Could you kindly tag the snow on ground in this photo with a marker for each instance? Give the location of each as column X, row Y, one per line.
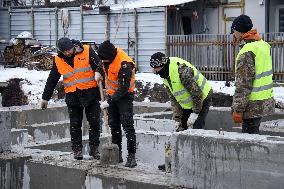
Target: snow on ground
column 34, row 82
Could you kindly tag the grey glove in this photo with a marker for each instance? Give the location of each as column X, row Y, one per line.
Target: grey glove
column 43, row 104
column 191, row 120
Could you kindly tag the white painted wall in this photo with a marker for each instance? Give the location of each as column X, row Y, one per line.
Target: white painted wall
column 252, row 8
column 256, row 12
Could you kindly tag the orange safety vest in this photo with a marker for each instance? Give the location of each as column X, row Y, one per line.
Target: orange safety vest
column 81, row 76
column 111, row 79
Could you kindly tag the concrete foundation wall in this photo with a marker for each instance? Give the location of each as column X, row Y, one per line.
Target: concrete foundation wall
column 19, row 136
column 218, row 118
column 207, row 159
column 29, row 115
column 5, row 130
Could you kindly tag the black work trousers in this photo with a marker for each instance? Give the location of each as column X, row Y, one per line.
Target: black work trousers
column 251, row 125
column 200, row 121
column 121, row 113
column 92, row 112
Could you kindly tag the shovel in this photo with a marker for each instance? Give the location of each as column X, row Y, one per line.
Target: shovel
column 109, row 151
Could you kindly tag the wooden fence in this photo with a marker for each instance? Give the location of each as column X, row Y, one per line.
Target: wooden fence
column 214, row 55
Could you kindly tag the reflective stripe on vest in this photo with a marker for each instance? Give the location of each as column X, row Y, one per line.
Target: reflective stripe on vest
column 182, row 96
column 263, row 83
column 70, row 74
column 111, row 82
column 79, row 81
column 81, row 76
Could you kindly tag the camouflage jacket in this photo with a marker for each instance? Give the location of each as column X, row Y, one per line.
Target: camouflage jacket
column 188, row 80
column 244, row 77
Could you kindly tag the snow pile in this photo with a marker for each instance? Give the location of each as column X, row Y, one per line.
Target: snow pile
column 33, row 83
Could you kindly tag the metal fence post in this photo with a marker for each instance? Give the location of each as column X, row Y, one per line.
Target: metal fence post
column 9, row 22
column 33, row 21
column 82, row 23
column 56, row 23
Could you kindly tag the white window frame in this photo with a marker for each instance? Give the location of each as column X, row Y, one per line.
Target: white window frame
column 278, row 7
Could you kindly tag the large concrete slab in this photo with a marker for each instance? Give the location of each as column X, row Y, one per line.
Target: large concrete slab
column 209, row 159
column 5, row 130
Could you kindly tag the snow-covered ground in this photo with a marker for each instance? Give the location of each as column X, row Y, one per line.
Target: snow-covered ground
column 34, row 82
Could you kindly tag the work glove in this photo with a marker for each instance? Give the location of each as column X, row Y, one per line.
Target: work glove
column 98, row 76
column 191, row 120
column 43, row 104
column 104, row 104
column 237, row 117
column 178, row 127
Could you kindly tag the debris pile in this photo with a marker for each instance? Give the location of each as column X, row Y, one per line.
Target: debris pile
column 24, row 51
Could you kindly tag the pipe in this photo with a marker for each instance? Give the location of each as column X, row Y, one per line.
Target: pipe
column 9, row 22
column 33, row 21
column 56, row 24
column 136, row 38
column 82, row 22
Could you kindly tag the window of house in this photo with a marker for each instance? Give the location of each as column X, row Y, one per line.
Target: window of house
column 281, row 20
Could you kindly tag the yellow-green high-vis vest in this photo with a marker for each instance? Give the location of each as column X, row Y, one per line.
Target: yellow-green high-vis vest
column 263, row 83
column 181, row 95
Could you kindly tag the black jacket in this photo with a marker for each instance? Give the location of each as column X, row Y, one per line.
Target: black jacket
column 79, row 97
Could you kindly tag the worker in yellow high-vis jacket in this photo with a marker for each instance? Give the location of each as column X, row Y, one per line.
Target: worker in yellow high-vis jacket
column 189, row 90
column 253, row 96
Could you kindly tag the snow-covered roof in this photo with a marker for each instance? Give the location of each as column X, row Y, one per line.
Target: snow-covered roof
column 149, row 3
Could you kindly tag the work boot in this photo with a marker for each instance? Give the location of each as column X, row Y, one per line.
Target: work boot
column 162, row 167
column 78, row 154
column 131, row 162
column 120, row 157
column 94, row 151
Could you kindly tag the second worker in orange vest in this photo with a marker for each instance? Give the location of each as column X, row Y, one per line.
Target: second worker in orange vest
column 77, row 64
column 119, row 71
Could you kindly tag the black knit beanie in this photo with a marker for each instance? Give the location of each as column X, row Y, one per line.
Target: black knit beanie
column 242, row 24
column 107, row 51
column 64, row 44
column 158, row 59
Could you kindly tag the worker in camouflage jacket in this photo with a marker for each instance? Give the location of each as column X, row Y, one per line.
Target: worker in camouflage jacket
column 77, row 63
column 189, row 90
column 253, row 96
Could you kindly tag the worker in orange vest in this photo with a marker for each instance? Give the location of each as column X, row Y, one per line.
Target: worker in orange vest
column 119, row 72
column 77, row 64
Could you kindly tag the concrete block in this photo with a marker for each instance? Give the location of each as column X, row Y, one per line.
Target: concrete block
column 152, row 124
column 142, row 107
column 5, row 130
column 150, row 147
column 19, row 136
column 49, row 131
column 207, row 159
